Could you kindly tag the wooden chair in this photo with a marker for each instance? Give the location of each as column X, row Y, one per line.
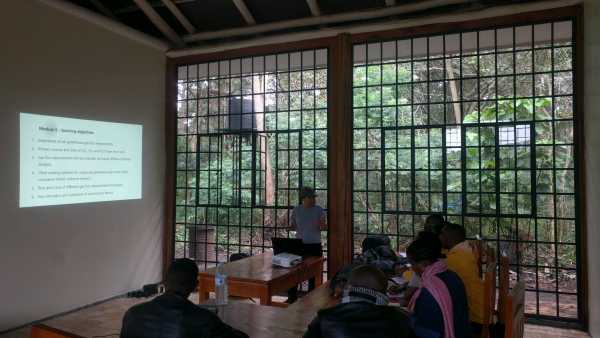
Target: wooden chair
column 483, row 253
column 44, row 331
column 477, row 246
column 514, row 320
column 489, row 297
column 503, row 285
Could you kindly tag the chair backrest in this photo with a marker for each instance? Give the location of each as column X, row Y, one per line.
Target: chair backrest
column 44, row 331
column 478, row 247
column 503, row 285
column 489, row 294
column 514, row 320
column 490, row 254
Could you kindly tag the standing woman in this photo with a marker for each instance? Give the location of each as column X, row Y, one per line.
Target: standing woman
column 308, row 220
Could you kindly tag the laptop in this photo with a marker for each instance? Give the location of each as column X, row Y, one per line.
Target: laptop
column 287, row 245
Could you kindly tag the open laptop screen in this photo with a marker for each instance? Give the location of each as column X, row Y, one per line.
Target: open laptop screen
column 289, row 245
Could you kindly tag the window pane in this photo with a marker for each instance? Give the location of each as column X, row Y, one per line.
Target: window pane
column 250, row 133
column 480, row 127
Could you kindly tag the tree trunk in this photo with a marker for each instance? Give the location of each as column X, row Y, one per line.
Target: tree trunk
column 264, row 153
column 454, row 93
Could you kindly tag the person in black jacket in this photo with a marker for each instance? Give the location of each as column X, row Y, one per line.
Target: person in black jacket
column 363, row 312
column 172, row 315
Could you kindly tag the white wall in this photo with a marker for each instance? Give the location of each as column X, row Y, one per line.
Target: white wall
column 592, row 153
column 59, row 258
column 54, row 259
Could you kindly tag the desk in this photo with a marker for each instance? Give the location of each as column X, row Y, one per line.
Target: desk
column 316, row 300
column 255, row 320
column 266, row 321
column 256, row 277
column 100, row 320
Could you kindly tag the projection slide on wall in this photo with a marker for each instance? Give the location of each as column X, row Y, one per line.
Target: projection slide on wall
column 68, row 161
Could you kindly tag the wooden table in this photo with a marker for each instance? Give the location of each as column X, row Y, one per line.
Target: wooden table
column 255, row 320
column 318, row 299
column 99, row 320
column 257, row 277
column 266, row 321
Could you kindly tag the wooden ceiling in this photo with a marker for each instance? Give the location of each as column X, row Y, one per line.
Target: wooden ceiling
column 184, row 23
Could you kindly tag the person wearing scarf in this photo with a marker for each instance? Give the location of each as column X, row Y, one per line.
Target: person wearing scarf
column 439, row 307
column 361, row 294
column 363, row 311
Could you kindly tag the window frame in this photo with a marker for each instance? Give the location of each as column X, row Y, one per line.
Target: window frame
column 341, row 51
column 541, row 17
column 322, row 46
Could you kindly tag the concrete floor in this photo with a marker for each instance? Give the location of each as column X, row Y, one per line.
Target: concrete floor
column 87, row 318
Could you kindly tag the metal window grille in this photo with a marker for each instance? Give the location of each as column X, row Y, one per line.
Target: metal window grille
column 479, row 126
column 250, row 132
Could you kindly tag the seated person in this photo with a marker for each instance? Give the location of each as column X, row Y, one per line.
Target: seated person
column 439, row 308
column 415, row 281
column 172, row 315
column 462, row 260
column 363, row 312
column 338, row 283
column 434, row 223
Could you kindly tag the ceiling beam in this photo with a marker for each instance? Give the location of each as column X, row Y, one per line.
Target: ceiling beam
column 103, row 9
column 153, row 3
column 180, row 16
column 111, row 25
column 390, row 3
column 158, row 21
column 324, row 20
column 241, row 6
column 358, row 28
column 314, row 7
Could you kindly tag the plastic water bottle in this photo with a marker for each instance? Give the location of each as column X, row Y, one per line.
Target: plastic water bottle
column 221, row 291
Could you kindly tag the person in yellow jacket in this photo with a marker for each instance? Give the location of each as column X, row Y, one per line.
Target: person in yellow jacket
column 461, row 259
